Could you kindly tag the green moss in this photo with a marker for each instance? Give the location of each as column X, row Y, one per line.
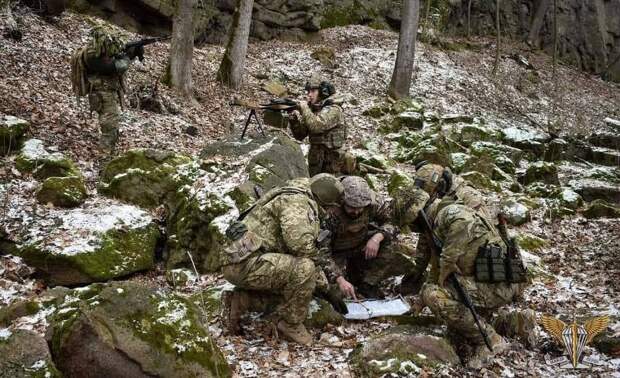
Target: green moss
column 397, row 181
column 530, row 242
column 601, row 209
column 12, row 130
column 480, row 181
column 321, row 314
column 541, row 171
column 62, row 191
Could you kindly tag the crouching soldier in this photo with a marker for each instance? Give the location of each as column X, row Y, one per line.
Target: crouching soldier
column 467, row 251
column 275, row 249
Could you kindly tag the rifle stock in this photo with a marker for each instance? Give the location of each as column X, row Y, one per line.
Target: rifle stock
column 437, row 246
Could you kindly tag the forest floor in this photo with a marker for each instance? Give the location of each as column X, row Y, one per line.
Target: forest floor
column 582, row 255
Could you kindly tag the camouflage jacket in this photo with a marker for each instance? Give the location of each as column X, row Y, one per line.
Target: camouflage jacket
column 326, row 126
column 352, row 234
column 289, row 223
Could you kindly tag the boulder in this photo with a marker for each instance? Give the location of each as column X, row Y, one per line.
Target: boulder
column 604, row 156
column 455, row 118
column 434, row 149
column 321, row 313
column 556, row 150
column 35, row 159
column 62, row 191
column 402, row 351
column 531, row 141
column 483, row 164
column 125, row 329
column 24, row 355
column 12, row 131
column 146, row 177
column 470, row 133
column 601, row 209
column 408, row 120
column 458, row 161
column 570, row 199
column 605, row 139
column 516, row 212
column 480, row 181
column 593, row 189
column 541, row 171
column 99, row 241
column 542, row 190
column 180, row 277
column 506, row 157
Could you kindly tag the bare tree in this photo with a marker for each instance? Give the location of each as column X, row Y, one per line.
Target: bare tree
column 182, row 48
column 497, row 47
column 555, row 37
column 233, row 62
column 403, row 69
column 468, row 18
column 537, row 22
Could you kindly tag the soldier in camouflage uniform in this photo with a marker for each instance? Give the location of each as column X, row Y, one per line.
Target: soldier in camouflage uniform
column 363, row 244
column 321, row 119
column 98, row 71
column 277, row 252
column 467, row 237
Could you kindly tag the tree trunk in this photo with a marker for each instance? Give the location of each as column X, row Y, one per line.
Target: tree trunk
column 182, row 48
column 403, row 69
column 497, row 47
column 468, row 18
column 233, row 62
column 537, row 22
column 427, row 15
column 555, row 37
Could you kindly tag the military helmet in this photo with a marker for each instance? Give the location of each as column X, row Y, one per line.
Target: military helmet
column 105, row 42
column 325, row 88
column 431, row 177
column 408, row 202
column 327, row 189
column 357, row 193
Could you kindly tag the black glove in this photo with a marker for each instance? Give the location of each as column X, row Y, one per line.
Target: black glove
column 236, row 230
column 136, row 52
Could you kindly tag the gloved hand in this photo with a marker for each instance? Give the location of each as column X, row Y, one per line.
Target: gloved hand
column 236, row 230
column 136, row 52
column 334, row 297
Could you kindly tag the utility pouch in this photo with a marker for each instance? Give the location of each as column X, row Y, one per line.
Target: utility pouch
column 490, row 264
column 516, row 270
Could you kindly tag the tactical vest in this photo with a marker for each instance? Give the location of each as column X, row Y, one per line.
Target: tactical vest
column 350, row 234
column 333, row 138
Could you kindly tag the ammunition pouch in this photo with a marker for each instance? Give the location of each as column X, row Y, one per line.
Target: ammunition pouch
column 494, row 265
column 332, row 139
column 241, row 248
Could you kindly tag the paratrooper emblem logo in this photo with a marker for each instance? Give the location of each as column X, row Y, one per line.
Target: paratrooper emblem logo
column 574, row 336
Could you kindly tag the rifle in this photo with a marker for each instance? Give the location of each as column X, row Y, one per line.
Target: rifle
column 278, row 104
column 437, row 245
column 138, row 46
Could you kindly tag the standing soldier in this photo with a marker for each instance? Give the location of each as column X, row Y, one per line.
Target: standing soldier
column 363, row 243
column 321, row 119
column 469, row 249
column 98, row 71
column 276, row 249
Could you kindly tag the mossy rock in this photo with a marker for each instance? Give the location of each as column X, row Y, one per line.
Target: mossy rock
column 146, row 177
column 556, row 150
column 62, row 191
column 16, row 310
column 456, row 118
column 593, row 189
column 570, row 199
column 12, row 131
column 321, row 313
column 377, row 111
column 541, row 171
column 434, row 149
column 130, row 330
column 98, row 242
column 480, row 181
column 398, row 180
column 506, row 157
column 483, row 164
column 516, row 212
column 601, row 209
column 402, row 351
column 25, row 354
column 406, row 105
column 542, row 190
column 180, row 277
column 35, row 159
column 467, row 134
column 527, row 140
column 530, row 242
column 325, row 55
column 406, row 120
column 372, row 159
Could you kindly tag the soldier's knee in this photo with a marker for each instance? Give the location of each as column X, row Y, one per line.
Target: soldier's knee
column 306, row 269
column 434, row 296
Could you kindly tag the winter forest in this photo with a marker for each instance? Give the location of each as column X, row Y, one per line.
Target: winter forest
column 309, row 188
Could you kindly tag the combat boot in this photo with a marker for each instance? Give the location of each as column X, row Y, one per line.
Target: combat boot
column 482, row 354
column 235, row 305
column 295, row 332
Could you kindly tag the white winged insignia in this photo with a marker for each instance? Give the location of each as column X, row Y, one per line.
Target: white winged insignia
column 573, row 336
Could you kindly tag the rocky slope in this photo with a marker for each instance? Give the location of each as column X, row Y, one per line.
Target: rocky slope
column 152, row 217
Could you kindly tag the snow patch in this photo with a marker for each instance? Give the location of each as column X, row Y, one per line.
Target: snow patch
column 5, row 333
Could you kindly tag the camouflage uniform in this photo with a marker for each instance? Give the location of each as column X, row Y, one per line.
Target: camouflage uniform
column 279, row 253
column 350, row 236
column 105, row 66
column 326, row 129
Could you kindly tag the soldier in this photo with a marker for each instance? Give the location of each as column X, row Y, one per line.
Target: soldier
column 438, row 182
column 362, row 241
column 321, row 119
column 486, row 266
column 275, row 250
column 98, row 71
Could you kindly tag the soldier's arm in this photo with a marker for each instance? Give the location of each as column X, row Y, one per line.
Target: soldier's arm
column 300, row 229
column 106, row 65
column 381, row 213
column 328, row 118
column 453, row 230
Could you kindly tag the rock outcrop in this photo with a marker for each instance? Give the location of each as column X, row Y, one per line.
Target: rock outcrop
column 12, row 130
column 24, row 355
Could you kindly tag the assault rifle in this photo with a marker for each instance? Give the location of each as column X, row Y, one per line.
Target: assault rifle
column 437, row 246
column 278, row 105
column 138, row 46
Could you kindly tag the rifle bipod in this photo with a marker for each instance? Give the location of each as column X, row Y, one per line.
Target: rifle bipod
column 249, row 120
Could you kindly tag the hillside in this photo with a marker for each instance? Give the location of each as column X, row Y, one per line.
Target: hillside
column 515, row 120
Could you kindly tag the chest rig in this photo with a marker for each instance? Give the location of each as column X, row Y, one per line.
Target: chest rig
column 349, row 234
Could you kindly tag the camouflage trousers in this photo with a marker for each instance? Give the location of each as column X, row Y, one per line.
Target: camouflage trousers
column 288, row 279
column 324, row 160
column 107, row 106
column 444, row 303
column 369, row 276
